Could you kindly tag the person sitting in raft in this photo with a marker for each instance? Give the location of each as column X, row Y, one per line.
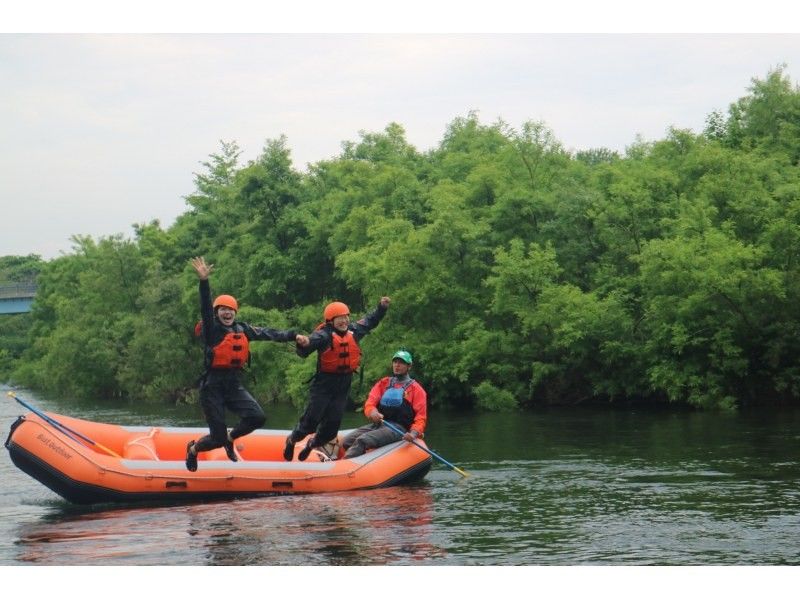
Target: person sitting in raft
column 400, row 400
column 336, row 341
column 227, row 351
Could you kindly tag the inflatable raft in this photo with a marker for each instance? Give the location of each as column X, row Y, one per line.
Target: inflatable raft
column 89, row 462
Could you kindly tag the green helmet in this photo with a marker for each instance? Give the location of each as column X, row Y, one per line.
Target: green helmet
column 404, row 356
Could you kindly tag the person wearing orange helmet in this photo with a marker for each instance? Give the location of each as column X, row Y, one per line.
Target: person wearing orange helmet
column 227, row 349
column 338, row 356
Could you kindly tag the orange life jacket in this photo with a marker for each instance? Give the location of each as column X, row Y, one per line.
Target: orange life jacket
column 342, row 357
column 232, row 352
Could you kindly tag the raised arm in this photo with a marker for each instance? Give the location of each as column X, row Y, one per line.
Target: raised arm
column 362, row 327
column 206, row 310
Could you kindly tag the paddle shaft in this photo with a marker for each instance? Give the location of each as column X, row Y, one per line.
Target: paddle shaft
column 391, row 426
column 58, row 425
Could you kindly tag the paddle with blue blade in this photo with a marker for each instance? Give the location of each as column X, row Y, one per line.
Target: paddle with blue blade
column 391, row 426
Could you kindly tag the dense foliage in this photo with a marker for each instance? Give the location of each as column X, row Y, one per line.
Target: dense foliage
column 520, row 273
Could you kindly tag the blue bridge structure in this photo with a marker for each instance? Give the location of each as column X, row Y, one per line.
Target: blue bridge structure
column 16, row 297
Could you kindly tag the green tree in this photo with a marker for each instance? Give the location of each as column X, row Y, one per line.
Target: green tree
column 707, row 305
column 768, row 118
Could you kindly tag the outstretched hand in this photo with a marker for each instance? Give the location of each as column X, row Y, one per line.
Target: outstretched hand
column 385, row 301
column 302, row 340
column 200, row 266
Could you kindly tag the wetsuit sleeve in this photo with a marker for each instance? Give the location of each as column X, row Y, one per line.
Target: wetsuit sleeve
column 362, row 327
column 207, row 313
column 257, row 333
column 375, row 395
column 419, row 403
column 317, row 340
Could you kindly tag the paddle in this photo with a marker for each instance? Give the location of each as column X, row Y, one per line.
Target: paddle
column 391, row 426
column 59, row 426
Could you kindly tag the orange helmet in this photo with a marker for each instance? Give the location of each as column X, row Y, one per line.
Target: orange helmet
column 337, row 308
column 226, row 301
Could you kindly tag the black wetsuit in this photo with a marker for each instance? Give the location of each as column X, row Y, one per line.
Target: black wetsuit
column 328, row 393
column 222, row 388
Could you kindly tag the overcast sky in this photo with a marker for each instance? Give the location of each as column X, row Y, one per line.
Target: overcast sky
column 98, row 132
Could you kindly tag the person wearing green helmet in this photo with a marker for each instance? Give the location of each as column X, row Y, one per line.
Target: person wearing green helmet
column 398, row 399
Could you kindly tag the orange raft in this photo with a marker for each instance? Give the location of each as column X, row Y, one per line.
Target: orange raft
column 148, row 463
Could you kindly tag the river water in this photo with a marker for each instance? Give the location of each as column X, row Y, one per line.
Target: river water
column 585, row 486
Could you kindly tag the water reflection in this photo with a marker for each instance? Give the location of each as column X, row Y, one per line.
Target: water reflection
column 377, row 527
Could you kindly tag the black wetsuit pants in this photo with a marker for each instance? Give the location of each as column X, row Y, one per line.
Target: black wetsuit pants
column 222, row 390
column 327, row 401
